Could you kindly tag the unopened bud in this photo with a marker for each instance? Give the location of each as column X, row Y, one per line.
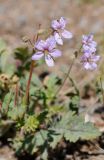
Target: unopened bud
column 25, row 39
column 76, row 54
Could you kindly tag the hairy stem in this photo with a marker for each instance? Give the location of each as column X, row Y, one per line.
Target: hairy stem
column 16, row 95
column 102, row 91
column 67, row 75
column 29, row 81
column 69, row 70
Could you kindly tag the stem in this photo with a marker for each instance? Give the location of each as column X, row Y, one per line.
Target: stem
column 102, row 91
column 67, row 75
column 74, row 85
column 29, row 81
column 0, row 105
column 30, row 75
column 16, row 95
column 69, row 70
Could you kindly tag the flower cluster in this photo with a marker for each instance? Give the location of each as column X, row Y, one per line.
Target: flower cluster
column 89, row 57
column 60, row 32
column 47, row 48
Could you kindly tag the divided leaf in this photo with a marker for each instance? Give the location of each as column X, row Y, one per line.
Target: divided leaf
column 73, row 127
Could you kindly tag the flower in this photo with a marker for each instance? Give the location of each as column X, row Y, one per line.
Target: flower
column 47, row 50
column 59, row 30
column 89, row 60
column 88, row 44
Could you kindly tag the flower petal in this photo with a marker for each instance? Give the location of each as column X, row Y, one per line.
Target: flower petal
column 93, row 43
column 93, row 66
column 51, row 43
column 84, row 39
column 87, row 65
column 90, row 38
column 56, row 53
column 67, row 34
column 58, row 38
column 62, row 22
column 87, row 48
column 49, row 60
column 87, row 38
column 40, row 45
column 90, row 66
column 87, row 53
column 96, row 58
column 37, row 55
column 55, row 24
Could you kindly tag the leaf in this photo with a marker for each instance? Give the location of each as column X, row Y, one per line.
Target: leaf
column 32, row 142
column 54, row 110
column 5, row 63
column 44, row 155
column 22, row 53
column 73, row 127
column 2, row 46
column 6, row 102
column 35, row 84
column 16, row 112
column 82, row 131
column 5, row 59
column 55, row 140
column 36, row 81
column 42, row 116
column 74, row 103
column 5, row 126
column 51, row 86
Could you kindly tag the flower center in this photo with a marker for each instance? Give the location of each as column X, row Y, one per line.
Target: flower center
column 46, row 51
column 90, row 60
column 59, row 31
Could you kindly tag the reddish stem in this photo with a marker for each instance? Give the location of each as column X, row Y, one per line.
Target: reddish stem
column 29, row 81
column 16, row 95
column 0, row 104
column 102, row 91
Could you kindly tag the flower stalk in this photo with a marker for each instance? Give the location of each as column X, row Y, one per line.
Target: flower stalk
column 28, row 83
column 67, row 75
column 69, row 70
column 16, row 95
column 102, row 91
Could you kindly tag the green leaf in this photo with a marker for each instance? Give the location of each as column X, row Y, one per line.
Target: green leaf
column 73, row 127
column 5, row 126
column 55, row 140
column 6, row 102
column 51, row 86
column 41, row 137
column 5, row 63
column 22, row 53
column 2, row 46
column 44, row 155
column 16, row 112
column 54, row 110
column 31, row 142
column 85, row 131
column 36, row 81
column 5, row 59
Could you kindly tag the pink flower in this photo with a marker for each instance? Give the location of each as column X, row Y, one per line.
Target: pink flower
column 88, row 44
column 47, row 50
column 59, row 30
column 89, row 61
